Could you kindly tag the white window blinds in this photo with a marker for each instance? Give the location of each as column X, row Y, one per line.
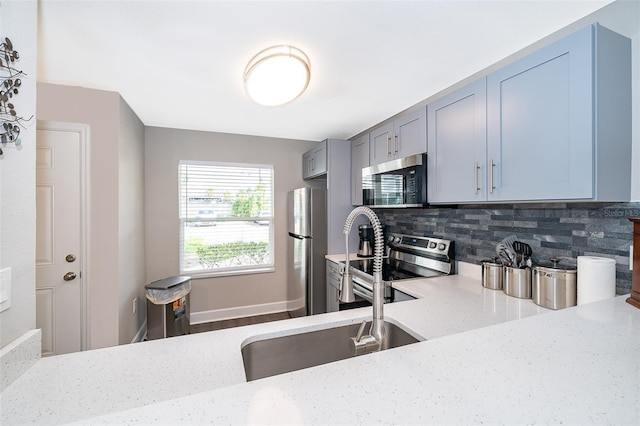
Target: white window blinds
column 226, row 218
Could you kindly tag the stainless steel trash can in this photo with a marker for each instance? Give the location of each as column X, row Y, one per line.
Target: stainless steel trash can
column 168, row 307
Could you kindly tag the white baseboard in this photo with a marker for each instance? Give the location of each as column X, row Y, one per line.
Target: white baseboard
column 18, row 356
column 238, row 312
column 141, row 334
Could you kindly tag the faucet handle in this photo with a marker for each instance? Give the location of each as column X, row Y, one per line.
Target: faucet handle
column 361, row 330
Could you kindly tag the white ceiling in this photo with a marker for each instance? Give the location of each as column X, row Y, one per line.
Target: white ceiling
column 180, row 64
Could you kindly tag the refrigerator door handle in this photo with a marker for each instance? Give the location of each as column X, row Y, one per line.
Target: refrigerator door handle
column 300, row 237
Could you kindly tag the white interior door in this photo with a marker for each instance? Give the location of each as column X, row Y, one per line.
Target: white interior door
column 59, row 289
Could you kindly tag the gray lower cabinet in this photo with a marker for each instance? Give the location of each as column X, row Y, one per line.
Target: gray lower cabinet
column 406, row 135
column 333, row 285
column 558, row 127
column 359, row 160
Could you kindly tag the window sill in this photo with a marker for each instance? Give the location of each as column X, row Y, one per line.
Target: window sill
column 231, row 273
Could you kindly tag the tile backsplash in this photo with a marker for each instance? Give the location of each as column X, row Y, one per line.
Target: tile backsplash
column 561, row 230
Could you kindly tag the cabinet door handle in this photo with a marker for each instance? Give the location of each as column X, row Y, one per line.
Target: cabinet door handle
column 491, row 166
column 395, row 144
column 388, row 146
column 475, row 177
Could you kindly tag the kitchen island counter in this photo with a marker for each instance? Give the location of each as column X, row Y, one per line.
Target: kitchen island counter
column 488, row 358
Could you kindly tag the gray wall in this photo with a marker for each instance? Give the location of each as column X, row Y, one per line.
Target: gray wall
column 98, row 109
column 131, row 223
column 163, row 149
column 116, row 205
column 563, row 231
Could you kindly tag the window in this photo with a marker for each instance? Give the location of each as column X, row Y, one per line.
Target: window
column 226, row 218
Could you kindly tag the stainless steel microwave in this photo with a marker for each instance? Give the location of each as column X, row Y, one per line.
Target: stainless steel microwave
column 397, row 183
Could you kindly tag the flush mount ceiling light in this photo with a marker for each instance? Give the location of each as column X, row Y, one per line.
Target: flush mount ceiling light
column 277, row 75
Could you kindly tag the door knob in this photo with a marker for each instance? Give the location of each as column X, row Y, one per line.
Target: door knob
column 69, row 276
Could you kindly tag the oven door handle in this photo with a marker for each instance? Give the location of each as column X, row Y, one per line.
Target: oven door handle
column 362, row 291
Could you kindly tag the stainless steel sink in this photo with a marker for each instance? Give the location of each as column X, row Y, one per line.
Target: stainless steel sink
column 277, row 355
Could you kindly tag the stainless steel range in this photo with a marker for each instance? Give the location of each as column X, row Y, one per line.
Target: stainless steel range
column 409, row 257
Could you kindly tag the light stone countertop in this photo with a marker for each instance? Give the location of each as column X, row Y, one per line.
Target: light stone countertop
column 489, row 358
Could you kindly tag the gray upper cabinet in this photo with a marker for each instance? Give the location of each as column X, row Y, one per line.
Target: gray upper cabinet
column 359, row 160
column 314, row 161
column 457, row 154
column 380, row 149
column 558, row 127
column 404, row 136
column 542, row 115
column 332, row 171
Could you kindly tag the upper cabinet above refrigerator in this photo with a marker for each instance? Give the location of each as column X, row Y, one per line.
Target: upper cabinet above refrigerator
column 328, row 165
column 314, row 161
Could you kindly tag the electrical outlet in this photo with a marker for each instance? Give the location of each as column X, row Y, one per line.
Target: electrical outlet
column 135, row 305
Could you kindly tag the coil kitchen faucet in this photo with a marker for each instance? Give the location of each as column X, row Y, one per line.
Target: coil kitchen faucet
column 375, row 339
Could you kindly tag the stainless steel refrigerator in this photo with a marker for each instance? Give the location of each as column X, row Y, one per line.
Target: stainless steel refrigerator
column 307, row 247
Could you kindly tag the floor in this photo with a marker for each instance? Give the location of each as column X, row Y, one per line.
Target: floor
column 238, row 322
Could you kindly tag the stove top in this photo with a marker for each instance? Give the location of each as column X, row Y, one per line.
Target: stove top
column 411, row 257
column 389, row 271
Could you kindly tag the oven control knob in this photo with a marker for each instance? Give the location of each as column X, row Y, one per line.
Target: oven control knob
column 442, row 246
column 432, row 244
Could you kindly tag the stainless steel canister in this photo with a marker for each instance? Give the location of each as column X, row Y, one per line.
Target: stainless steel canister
column 492, row 274
column 554, row 287
column 517, row 282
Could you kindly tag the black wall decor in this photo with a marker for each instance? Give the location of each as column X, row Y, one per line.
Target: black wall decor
column 10, row 83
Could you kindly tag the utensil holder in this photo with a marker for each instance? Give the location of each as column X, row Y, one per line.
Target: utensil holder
column 516, row 282
column 492, row 275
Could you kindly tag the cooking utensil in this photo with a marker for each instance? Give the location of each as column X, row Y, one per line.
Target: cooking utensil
column 505, row 257
column 504, row 250
column 519, row 249
column 523, row 254
column 526, row 256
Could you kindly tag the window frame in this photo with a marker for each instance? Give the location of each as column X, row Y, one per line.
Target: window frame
column 228, row 271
